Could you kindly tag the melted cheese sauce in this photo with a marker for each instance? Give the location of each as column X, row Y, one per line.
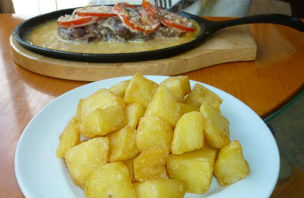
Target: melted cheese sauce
column 45, row 35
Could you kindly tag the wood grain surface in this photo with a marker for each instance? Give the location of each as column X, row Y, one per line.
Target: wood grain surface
column 264, row 84
column 229, row 45
column 291, row 187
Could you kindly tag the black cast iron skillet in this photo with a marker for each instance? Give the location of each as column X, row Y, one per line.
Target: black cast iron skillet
column 206, row 29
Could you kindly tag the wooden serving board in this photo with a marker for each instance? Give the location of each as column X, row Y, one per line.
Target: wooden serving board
column 229, row 45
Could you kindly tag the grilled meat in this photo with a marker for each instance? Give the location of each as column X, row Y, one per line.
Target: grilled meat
column 110, row 27
column 166, row 32
column 88, row 33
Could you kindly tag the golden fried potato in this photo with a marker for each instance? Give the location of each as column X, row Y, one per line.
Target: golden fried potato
column 194, row 168
column 68, row 138
column 153, row 131
column 150, row 164
column 82, row 159
column 92, row 110
column 200, row 94
column 79, row 110
column 188, row 133
column 160, row 188
column 216, row 126
column 103, row 121
column 110, row 181
column 165, row 106
column 230, row 165
column 122, row 144
column 143, row 122
column 120, row 88
column 100, row 99
column 134, row 111
column 130, row 165
column 140, row 90
column 186, row 108
column 179, row 86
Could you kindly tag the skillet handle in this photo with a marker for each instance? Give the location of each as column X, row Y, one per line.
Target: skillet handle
column 293, row 22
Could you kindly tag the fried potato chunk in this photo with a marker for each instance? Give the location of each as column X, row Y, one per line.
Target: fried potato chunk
column 103, row 121
column 179, row 86
column 79, row 110
column 188, row 133
column 140, row 89
column 111, row 180
column 134, row 112
column 165, row 106
column 82, row 159
column 216, row 126
column 122, row 144
column 230, row 165
column 68, row 138
column 120, row 88
column 130, row 165
column 153, row 131
column 186, row 108
column 194, row 168
column 100, row 99
column 150, row 164
column 160, row 188
column 200, row 94
column 101, row 113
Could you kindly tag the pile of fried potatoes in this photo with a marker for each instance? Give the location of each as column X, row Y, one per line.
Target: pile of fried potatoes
column 149, row 140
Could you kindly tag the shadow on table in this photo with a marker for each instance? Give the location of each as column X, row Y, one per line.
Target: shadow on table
column 288, row 128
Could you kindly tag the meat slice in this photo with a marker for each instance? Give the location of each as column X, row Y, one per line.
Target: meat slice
column 113, row 29
column 165, row 32
column 88, row 33
column 142, row 36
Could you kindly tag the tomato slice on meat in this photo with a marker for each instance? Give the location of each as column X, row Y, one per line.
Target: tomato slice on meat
column 154, row 11
column 169, row 19
column 119, row 7
column 96, row 11
column 75, row 21
column 173, row 20
column 136, row 18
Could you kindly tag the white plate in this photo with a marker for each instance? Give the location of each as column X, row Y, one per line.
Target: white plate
column 41, row 174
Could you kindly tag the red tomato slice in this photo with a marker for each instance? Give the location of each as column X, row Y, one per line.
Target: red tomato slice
column 75, row 21
column 169, row 19
column 119, row 7
column 136, row 18
column 173, row 20
column 150, row 8
column 184, row 26
column 96, row 11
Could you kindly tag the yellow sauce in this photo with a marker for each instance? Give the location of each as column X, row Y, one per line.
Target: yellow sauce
column 45, row 35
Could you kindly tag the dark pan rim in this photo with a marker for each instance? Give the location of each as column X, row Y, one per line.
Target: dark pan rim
column 21, row 31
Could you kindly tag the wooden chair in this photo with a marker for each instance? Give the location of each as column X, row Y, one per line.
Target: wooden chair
column 6, row 6
column 297, row 7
